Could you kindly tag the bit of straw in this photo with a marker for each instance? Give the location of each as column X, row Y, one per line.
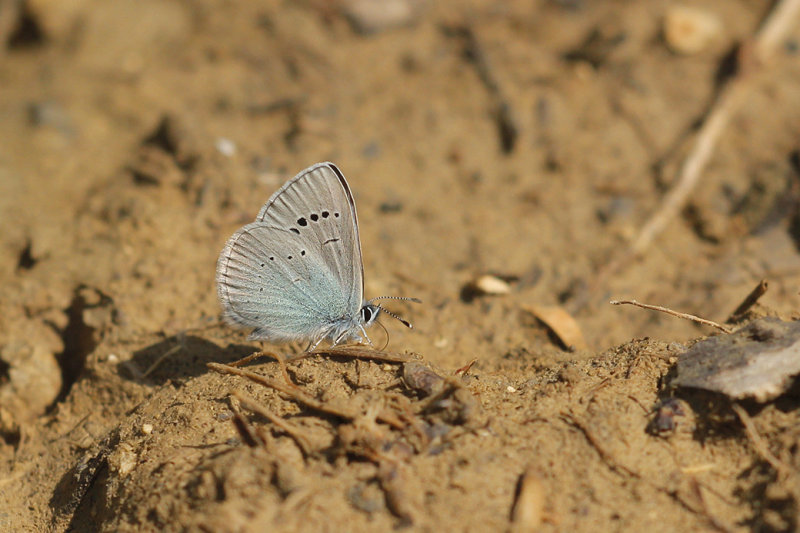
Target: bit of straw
column 678, row 314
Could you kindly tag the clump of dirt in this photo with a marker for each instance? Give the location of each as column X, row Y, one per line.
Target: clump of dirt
column 522, row 144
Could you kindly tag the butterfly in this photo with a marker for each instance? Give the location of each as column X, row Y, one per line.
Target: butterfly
column 296, row 273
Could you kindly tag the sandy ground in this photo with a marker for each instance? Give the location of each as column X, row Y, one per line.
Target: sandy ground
column 526, row 140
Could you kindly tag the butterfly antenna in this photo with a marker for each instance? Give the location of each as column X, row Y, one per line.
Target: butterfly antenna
column 403, row 321
column 406, row 323
column 406, row 298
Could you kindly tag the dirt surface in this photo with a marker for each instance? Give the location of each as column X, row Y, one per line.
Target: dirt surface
column 526, row 140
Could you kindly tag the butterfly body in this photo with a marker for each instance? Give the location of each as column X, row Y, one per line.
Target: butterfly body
column 296, row 272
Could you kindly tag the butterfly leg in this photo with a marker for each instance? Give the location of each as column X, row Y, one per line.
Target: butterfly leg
column 340, row 338
column 369, row 341
column 313, row 344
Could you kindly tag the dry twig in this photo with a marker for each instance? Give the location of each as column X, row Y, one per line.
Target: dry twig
column 354, row 352
column 758, row 443
column 750, row 300
column 753, row 55
column 713, row 521
column 253, row 356
column 678, row 314
column 464, row 370
column 595, row 442
column 172, row 351
column 296, row 394
column 252, row 405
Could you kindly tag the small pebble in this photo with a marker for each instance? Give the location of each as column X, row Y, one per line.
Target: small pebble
column 487, row 284
column 689, row 30
column 225, row 146
column 147, row 429
column 374, row 16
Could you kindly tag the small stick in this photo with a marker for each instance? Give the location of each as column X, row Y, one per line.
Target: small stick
column 465, row 369
column 616, row 466
column 354, row 353
column 252, row 405
column 391, row 476
column 750, row 300
column 157, row 363
column 15, row 475
column 713, row 521
column 261, row 353
column 759, row 445
column 253, row 356
column 668, row 311
column 754, row 53
column 779, row 22
column 502, row 111
column 296, row 394
column 245, row 431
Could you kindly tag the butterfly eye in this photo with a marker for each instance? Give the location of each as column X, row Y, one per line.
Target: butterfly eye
column 368, row 313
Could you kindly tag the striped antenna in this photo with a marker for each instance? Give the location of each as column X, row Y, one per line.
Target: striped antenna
column 406, row 323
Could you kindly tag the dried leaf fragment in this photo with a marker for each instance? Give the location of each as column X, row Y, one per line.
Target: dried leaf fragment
column 561, row 323
column 528, row 510
column 689, row 30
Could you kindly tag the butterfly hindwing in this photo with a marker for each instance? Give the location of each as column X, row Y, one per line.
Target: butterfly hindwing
column 276, row 289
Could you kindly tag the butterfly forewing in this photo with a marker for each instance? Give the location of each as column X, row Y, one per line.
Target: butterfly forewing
column 297, row 269
column 317, row 206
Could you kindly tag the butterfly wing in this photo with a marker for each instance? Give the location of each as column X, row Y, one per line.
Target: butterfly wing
column 296, row 271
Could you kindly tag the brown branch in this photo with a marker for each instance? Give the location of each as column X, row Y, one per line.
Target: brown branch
column 750, row 300
column 296, row 394
column 253, row 356
column 293, row 393
column 595, row 442
column 762, row 47
column 161, row 359
column 753, row 55
column 678, row 314
column 758, row 443
column 354, row 352
column 252, row 405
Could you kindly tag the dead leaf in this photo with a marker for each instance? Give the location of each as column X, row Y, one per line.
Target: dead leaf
column 561, row 324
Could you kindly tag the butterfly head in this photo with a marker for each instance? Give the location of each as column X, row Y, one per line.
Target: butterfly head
column 369, row 312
